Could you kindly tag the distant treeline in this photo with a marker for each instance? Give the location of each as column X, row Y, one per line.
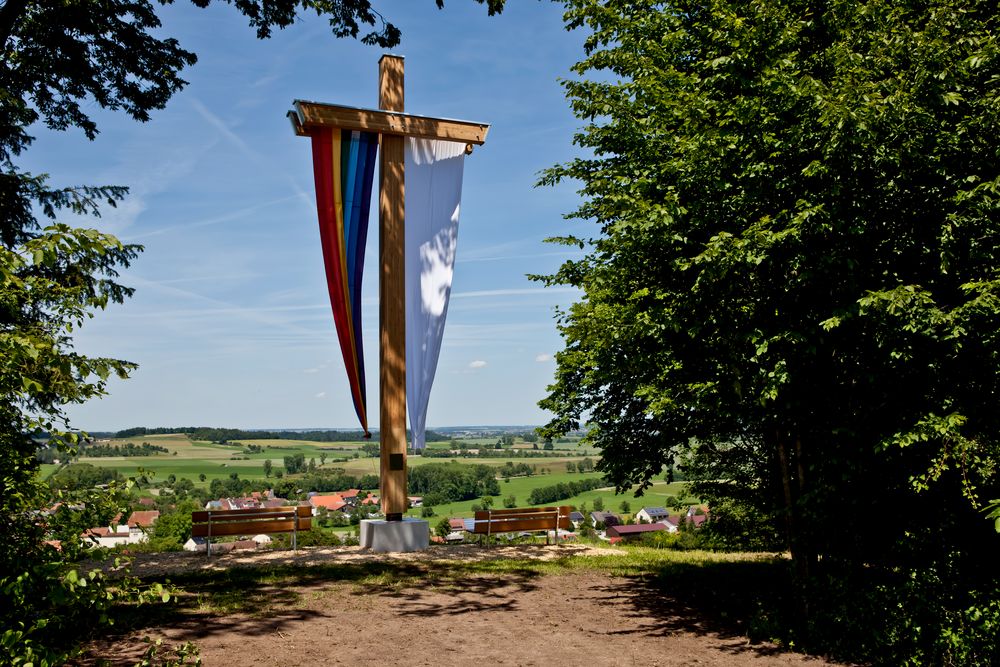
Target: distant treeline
column 163, row 430
column 441, row 483
column 563, row 490
column 128, row 449
column 79, row 476
column 48, row 454
column 223, row 435
column 323, row 481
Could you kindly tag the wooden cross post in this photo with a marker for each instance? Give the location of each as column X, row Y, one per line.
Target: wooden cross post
column 393, row 127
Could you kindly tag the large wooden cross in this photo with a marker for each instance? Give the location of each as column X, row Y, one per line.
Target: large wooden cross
column 393, row 126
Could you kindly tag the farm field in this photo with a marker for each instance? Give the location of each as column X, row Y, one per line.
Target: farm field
column 191, row 459
column 655, row 496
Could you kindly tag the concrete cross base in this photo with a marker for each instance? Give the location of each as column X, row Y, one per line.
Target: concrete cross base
column 394, row 536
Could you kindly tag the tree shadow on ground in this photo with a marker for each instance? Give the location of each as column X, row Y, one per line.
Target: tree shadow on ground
column 248, row 601
column 720, row 600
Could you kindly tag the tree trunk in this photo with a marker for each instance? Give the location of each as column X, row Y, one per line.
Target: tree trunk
column 793, row 523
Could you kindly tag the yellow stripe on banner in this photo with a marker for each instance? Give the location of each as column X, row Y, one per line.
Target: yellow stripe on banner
column 338, row 206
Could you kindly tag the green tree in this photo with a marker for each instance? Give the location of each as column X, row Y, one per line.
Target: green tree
column 792, row 280
column 625, row 507
column 268, row 467
column 62, row 61
column 49, row 284
column 443, row 527
column 172, row 528
column 509, row 502
column 202, row 477
column 598, row 504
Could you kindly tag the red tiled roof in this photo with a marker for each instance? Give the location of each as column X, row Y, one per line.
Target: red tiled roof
column 143, row 519
column 350, row 493
column 332, row 502
column 148, row 502
column 456, row 524
column 100, row 531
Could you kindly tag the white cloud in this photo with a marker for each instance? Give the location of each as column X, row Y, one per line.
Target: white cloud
column 478, row 363
column 311, row 370
column 541, row 358
column 321, row 394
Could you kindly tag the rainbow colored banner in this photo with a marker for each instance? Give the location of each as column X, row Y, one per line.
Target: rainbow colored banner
column 344, row 168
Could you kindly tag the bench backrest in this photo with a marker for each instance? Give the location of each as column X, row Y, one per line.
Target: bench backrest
column 213, row 523
column 526, row 519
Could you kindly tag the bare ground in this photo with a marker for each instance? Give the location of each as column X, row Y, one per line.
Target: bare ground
column 369, row 616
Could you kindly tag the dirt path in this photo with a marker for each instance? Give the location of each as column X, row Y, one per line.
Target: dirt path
column 508, row 618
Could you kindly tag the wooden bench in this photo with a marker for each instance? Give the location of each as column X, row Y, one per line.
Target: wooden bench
column 529, row 519
column 219, row 523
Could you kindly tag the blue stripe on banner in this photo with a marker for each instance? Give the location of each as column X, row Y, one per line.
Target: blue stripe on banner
column 366, row 172
column 350, row 223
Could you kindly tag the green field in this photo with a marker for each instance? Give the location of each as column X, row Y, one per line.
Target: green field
column 520, row 487
column 189, row 459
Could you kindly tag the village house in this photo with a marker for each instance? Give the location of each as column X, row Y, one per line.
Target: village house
column 651, row 514
column 350, row 496
column 332, row 503
column 458, row 528
column 132, row 531
column 634, row 532
column 607, row 518
column 696, row 515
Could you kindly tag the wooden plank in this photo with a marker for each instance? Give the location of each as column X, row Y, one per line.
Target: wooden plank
column 392, row 304
column 518, row 519
column 523, row 510
column 532, row 523
column 263, row 512
column 249, row 527
column 388, row 121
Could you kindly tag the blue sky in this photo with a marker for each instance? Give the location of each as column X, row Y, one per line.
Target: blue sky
column 231, row 322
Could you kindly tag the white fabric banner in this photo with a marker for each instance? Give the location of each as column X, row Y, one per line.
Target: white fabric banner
column 433, row 197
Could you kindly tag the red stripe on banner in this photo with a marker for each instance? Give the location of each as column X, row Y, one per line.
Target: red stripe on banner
column 331, row 242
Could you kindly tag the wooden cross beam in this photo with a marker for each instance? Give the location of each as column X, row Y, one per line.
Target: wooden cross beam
column 393, row 125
